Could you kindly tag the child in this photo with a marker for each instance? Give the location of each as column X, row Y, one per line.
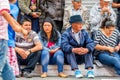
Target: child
column 11, row 43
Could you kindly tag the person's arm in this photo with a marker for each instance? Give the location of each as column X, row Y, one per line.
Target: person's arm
column 36, row 41
column 95, row 16
column 102, row 48
column 115, row 5
column 37, row 47
column 21, row 52
column 14, row 24
column 23, row 7
column 113, row 15
column 65, row 45
column 89, row 42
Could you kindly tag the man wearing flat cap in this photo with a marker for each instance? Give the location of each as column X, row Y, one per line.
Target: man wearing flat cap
column 76, row 9
column 78, row 47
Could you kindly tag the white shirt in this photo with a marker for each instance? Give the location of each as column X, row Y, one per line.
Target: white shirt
column 77, row 36
column 4, row 5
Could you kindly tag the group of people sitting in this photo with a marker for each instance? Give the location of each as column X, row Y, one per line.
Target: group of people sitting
column 75, row 44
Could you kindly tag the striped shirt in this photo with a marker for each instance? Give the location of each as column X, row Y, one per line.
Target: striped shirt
column 103, row 40
column 26, row 43
column 4, row 5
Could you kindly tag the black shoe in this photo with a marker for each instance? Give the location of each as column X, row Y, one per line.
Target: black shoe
column 17, row 76
column 27, row 74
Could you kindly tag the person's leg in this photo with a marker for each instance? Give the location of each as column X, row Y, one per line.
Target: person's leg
column 58, row 58
column 5, row 69
column 3, row 53
column 45, row 57
column 21, row 62
column 7, row 73
column 35, row 25
column 88, row 60
column 59, row 25
column 13, row 60
column 111, row 60
column 89, row 65
column 71, row 59
column 32, row 60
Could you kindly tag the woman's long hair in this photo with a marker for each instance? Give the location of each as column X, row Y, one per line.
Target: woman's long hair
column 54, row 34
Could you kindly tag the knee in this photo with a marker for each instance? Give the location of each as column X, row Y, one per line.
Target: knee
column 60, row 57
column 44, row 53
column 59, row 52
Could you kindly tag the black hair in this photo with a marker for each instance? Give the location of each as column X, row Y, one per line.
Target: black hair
column 107, row 23
column 54, row 34
column 24, row 20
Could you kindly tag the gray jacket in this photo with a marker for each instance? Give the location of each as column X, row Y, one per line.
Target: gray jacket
column 68, row 13
column 96, row 17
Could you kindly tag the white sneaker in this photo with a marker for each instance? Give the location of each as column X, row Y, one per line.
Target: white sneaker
column 78, row 74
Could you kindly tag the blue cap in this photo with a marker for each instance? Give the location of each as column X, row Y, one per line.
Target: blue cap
column 75, row 18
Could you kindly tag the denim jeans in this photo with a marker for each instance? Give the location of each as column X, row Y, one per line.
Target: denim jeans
column 110, row 60
column 5, row 69
column 74, row 59
column 57, row 58
column 30, row 61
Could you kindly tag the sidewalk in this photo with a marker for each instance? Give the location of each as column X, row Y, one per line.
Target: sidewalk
column 69, row 78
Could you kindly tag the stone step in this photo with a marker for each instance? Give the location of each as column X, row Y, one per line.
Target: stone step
column 104, row 71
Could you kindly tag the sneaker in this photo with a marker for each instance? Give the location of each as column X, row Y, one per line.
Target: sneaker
column 90, row 74
column 27, row 74
column 78, row 74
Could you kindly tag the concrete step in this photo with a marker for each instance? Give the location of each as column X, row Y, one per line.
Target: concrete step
column 104, row 71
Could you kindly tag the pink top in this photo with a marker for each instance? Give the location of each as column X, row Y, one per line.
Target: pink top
column 49, row 45
column 4, row 5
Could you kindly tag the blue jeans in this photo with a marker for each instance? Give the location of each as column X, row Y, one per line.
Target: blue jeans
column 5, row 69
column 57, row 58
column 111, row 60
column 74, row 59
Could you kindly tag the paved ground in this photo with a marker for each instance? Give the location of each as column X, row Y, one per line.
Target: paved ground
column 69, row 78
